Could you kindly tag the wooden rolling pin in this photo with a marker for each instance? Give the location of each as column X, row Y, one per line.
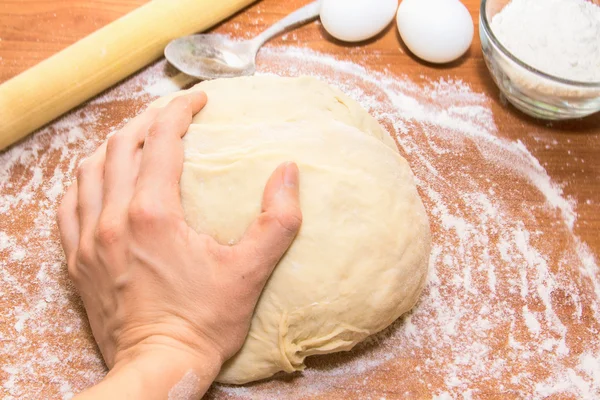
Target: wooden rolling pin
column 93, row 64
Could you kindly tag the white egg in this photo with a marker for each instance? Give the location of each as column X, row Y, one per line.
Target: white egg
column 357, row 20
column 438, row 31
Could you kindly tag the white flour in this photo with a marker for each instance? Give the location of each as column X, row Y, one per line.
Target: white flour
column 558, row 37
column 491, row 321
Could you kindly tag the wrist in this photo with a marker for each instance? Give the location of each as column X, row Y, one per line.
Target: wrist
column 171, row 352
column 158, row 368
column 163, row 374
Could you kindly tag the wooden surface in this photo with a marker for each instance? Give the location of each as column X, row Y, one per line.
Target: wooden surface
column 32, row 30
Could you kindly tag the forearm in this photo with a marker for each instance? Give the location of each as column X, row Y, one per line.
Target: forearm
column 156, row 375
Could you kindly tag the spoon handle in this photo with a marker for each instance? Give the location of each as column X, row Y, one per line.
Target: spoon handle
column 300, row 16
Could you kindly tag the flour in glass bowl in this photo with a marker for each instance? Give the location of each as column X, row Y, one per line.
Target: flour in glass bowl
column 511, row 307
column 558, row 37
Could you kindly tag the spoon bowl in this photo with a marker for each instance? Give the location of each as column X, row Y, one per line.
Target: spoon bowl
column 211, row 56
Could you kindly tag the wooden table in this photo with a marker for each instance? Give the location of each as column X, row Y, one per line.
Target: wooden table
column 32, row 30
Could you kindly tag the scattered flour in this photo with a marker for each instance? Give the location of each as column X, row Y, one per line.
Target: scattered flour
column 512, row 300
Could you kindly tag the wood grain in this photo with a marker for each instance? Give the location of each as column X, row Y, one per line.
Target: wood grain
column 32, row 30
column 100, row 60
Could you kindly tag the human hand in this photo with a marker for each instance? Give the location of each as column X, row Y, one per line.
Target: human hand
column 153, row 288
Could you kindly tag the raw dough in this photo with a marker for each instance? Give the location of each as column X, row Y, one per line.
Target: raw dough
column 262, row 99
column 361, row 257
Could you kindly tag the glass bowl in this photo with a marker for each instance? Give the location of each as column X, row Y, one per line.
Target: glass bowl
column 534, row 92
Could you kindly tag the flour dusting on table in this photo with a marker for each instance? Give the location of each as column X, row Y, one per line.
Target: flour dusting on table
column 511, row 307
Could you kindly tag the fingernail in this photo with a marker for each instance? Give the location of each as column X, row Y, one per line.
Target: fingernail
column 290, row 175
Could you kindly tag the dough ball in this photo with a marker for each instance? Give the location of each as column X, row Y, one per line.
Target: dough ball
column 360, row 260
column 249, row 100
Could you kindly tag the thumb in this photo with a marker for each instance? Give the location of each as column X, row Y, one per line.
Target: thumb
column 272, row 233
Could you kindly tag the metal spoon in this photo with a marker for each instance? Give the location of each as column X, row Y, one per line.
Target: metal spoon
column 212, row 56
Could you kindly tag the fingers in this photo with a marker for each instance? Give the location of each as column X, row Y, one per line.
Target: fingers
column 68, row 222
column 162, row 158
column 90, row 180
column 272, row 233
column 123, row 155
